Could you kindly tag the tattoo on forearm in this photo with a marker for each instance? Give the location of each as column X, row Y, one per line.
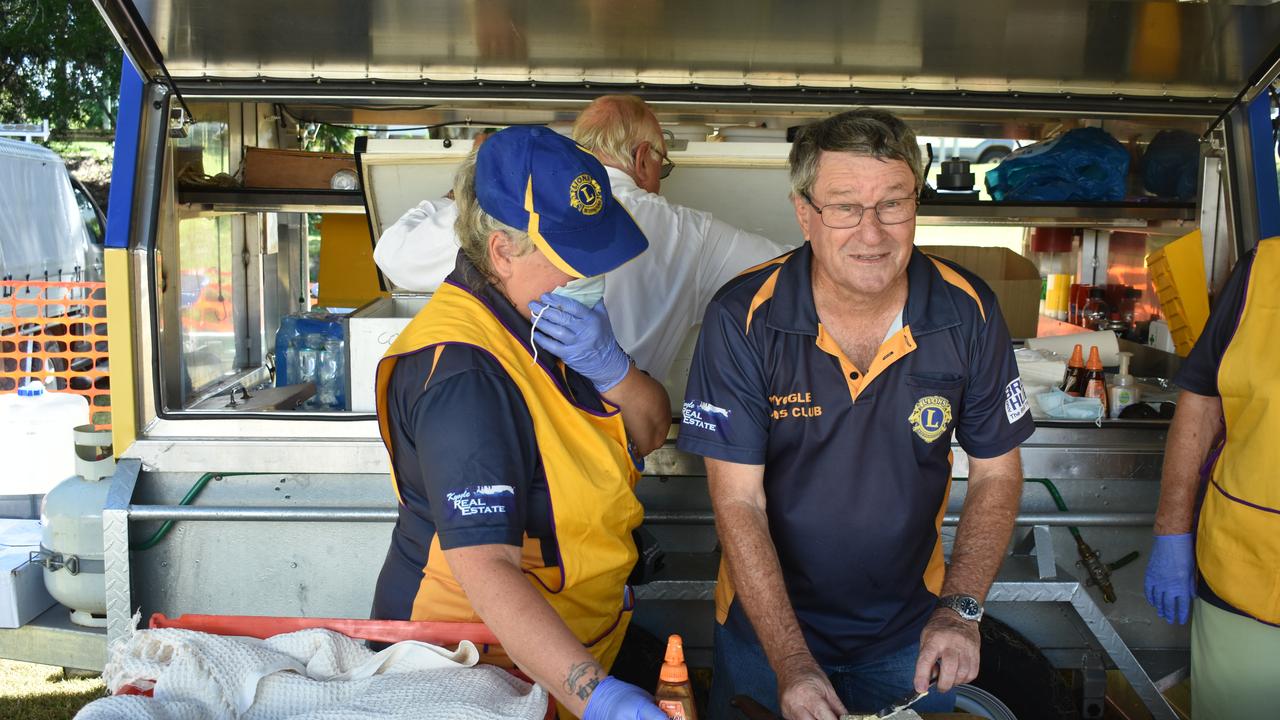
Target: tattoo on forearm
column 583, row 678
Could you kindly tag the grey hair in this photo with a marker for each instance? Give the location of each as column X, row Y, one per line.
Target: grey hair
column 863, row 131
column 612, row 126
column 474, row 226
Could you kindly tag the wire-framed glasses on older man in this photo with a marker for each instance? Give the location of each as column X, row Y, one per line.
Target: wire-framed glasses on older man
column 841, row 216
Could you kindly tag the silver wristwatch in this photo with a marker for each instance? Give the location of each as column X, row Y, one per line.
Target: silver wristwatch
column 966, row 606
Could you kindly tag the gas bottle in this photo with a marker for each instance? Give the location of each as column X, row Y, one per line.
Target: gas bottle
column 35, row 434
column 71, row 539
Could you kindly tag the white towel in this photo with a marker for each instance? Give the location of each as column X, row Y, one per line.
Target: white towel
column 305, row 675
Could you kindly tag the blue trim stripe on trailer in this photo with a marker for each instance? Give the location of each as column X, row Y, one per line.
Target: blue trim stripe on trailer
column 124, row 166
column 1262, row 139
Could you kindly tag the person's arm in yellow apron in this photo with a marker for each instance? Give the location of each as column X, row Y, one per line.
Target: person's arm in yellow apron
column 583, row 338
column 535, row 637
column 1196, row 423
column 1170, row 581
column 645, row 407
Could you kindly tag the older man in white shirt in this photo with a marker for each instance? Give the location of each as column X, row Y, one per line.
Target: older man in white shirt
column 655, row 299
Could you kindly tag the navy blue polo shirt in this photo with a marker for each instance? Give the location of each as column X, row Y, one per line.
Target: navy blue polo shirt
column 458, row 423
column 857, row 461
column 1199, row 373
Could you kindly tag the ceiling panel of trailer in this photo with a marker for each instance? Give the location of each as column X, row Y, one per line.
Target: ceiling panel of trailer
column 1057, row 47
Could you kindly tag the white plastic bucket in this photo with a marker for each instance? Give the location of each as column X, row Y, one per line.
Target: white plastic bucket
column 36, row 442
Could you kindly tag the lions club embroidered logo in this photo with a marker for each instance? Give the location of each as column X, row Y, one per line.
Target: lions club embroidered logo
column 931, row 417
column 585, row 195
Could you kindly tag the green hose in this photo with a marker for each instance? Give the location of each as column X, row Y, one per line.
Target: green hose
column 1057, row 500
column 1099, row 572
column 187, row 499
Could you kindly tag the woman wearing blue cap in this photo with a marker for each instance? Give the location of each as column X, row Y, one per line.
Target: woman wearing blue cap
column 515, row 424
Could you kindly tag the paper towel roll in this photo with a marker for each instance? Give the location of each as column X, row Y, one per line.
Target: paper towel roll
column 1108, row 346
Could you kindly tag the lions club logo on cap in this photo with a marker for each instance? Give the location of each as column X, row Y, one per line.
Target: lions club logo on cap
column 585, row 195
column 931, row 417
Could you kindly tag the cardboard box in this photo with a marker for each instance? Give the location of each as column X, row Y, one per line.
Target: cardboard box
column 22, row 592
column 370, row 330
column 1014, row 279
column 294, row 169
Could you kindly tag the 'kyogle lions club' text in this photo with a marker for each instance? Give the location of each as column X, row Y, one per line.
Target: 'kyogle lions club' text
column 794, row 405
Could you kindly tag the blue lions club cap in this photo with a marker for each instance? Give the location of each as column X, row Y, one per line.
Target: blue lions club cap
column 545, row 184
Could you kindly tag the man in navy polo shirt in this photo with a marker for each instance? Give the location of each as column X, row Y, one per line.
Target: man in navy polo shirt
column 824, row 393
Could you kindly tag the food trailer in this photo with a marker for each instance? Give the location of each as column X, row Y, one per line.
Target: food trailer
column 237, row 494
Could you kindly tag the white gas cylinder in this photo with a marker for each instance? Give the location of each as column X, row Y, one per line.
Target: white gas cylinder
column 35, row 437
column 71, row 542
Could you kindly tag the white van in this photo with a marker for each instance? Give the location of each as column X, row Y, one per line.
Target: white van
column 47, row 226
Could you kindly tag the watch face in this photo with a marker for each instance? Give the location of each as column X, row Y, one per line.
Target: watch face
column 968, row 607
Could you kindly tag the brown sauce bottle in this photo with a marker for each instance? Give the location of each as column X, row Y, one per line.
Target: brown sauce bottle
column 675, row 694
column 1073, row 379
column 1095, row 381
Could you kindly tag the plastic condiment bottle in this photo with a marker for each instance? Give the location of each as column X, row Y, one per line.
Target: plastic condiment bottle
column 1073, row 379
column 674, row 694
column 1095, row 383
column 1123, row 391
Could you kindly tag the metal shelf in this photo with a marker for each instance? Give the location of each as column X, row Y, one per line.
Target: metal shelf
column 52, row 639
column 240, row 200
column 1045, row 214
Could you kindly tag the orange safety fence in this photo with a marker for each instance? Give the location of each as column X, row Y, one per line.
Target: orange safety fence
column 56, row 333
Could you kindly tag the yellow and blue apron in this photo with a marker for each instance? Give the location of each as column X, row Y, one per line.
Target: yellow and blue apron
column 590, row 478
column 1238, row 538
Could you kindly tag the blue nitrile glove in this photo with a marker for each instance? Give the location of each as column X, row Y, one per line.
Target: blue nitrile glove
column 615, row 700
column 581, row 337
column 1171, row 577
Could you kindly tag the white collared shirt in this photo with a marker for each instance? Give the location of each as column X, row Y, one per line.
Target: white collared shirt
column 654, row 300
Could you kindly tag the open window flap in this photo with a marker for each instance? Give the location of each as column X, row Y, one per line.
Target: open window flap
column 413, row 176
column 413, row 48
column 398, row 176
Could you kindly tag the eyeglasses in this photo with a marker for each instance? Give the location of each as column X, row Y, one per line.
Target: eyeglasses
column 841, row 216
column 667, row 165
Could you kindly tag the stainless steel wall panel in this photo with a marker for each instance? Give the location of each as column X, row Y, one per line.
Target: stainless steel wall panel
column 1095, row 47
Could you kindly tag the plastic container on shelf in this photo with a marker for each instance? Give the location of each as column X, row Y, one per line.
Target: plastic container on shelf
column 1177, row 272
column 1123, row 390
column 1095, row 315
column 36, row 436
column 1095, row 379
column 331, row 375
column 1073, row 378
column 1129, row 311
column 1051, row 250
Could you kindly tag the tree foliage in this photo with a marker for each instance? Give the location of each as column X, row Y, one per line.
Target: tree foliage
column 58, row 62
column 322, row 137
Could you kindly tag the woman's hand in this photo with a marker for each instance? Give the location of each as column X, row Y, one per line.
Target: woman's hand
column 529, row 630
column 584, row 340
column 582, row 337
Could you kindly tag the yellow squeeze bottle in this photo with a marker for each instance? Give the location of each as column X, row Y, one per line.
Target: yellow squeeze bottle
column 675, row 694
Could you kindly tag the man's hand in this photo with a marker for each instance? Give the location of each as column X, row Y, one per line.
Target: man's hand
column 1171, row 577
column 805, row 692
column 613, row 699
column 953, row 644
